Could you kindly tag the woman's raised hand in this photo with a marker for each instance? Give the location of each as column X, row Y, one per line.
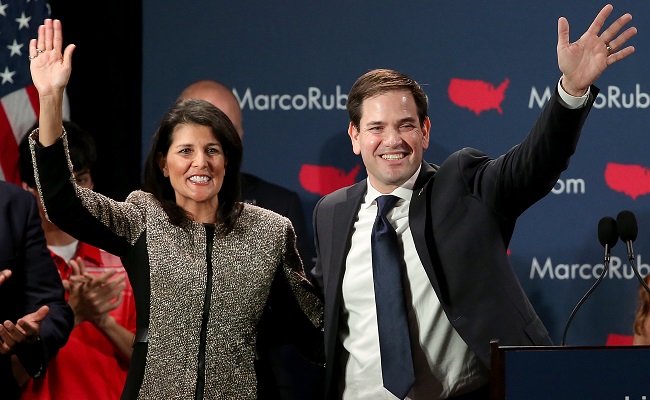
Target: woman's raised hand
column 50, row 65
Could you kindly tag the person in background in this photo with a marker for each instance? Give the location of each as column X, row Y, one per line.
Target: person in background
column 451, row 225
column 94, row 363
column 294, row 377
column 36, row 320
column 641, row 326
column 206, row 269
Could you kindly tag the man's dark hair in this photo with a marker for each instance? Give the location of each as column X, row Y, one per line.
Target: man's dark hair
column 379, row 81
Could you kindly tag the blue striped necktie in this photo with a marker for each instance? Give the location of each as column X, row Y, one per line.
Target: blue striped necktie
column 392, row 319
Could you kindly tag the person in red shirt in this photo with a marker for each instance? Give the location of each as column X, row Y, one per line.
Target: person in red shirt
column 94, row 363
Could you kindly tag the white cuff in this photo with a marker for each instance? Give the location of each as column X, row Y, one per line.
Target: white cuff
column 572, row 101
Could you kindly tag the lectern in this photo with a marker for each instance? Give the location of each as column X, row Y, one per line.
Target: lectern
column 569, row 372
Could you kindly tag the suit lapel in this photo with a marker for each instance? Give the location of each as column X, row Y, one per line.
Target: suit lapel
column 344, row 216
column 419, row 216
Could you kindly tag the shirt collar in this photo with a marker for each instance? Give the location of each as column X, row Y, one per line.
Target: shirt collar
column 90, row 253
column 404, row 192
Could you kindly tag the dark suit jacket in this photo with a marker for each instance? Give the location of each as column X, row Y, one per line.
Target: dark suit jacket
column 462, row 215
column 34, row 282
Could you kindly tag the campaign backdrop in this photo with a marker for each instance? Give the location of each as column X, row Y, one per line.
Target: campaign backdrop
column 487, row 68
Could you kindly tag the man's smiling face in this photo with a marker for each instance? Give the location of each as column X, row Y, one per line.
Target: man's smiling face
column 391, row 139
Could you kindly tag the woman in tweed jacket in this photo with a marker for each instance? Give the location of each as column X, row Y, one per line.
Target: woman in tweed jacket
column 210, row 274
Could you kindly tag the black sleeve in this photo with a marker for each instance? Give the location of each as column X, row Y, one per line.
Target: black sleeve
column 63, row 206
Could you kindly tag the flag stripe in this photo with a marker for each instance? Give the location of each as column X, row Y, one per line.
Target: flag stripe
column 18, row 116
column 8, row 150
column 19, row 21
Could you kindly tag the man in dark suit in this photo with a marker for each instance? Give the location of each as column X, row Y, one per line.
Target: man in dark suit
column 37, row 319
column 453, row 224
column 282, row 371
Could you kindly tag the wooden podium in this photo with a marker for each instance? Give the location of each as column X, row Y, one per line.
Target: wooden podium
column 569, row 372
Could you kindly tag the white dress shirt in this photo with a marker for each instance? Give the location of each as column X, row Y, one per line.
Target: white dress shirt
column 443, row 362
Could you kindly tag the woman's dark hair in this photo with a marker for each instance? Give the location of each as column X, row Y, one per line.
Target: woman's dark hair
column 196, row 112
column 380, row 81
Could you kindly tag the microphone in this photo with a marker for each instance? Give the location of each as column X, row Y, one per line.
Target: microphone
column 608, row 237
column 628, row 231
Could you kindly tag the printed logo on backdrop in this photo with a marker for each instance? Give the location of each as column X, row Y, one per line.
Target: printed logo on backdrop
column 630, row 179
column 313, row 99
column 323, row 180
column 477, row 96
column 612, row 97
column 618, row 270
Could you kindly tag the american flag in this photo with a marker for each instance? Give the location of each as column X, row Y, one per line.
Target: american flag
column 19, row 21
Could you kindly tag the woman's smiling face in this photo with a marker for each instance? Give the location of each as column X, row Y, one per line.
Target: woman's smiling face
column 196, row 166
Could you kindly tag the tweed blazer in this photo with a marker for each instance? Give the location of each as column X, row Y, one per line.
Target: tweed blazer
column 254, row 277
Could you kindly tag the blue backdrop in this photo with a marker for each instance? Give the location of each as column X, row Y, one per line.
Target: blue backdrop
column 487, row 68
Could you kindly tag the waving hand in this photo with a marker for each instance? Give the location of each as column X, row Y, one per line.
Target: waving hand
column 50, row 66
column 584, row 60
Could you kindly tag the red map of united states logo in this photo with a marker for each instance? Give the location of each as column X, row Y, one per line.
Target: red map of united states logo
column 630, row 179
column 477, row 96
column 323, row 180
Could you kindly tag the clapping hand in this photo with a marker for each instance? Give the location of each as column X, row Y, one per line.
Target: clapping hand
column 93, row 296
column 25, row 330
